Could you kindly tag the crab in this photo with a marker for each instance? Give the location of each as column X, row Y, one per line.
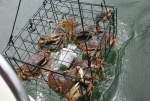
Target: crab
column 66, row 84
column 80, row 89
column 82, row 86
column 104, row 15
column 56, row 80
column 96, row 65
column 76, row 32
column 28, row 70
column 59, row 83
column 73, row 83
column 92, row 43
column 78, row 71
column 54, row 41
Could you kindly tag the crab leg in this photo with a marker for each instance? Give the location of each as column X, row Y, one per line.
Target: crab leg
column 102, row 72
column 74, row 89
column 81, row 73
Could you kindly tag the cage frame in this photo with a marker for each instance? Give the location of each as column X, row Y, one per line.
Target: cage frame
column 31, row 27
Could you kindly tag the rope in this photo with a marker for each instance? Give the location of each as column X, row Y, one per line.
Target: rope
column 11, row 36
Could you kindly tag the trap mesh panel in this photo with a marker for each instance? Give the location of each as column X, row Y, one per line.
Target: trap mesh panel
column 35, row 52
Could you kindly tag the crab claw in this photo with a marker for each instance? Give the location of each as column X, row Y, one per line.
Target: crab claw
column 74, row 89
column 74, row 93
column 87, row 88
column 75, row 97
column 81, row 72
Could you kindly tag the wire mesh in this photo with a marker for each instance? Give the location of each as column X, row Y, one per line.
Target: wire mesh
column 62, row 48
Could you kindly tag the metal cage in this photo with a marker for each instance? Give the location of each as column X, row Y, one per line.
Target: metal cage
column 94, row 22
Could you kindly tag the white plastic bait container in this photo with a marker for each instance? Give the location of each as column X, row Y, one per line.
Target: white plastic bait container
column 66, row 57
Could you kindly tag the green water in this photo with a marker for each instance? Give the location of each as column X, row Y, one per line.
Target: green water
column 132, row 64
column 128, row 76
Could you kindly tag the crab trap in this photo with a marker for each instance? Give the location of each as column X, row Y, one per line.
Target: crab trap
column 62, row 49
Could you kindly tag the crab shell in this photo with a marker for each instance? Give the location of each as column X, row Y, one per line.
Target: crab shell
column 58, row 82
column 106, row 41
column 53, row 41
column 27, row 71
column 91, row 45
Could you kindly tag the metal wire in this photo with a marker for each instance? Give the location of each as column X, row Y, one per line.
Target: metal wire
column 11, row 36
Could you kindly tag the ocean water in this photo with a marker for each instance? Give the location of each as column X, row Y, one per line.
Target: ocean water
column 128, row 76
